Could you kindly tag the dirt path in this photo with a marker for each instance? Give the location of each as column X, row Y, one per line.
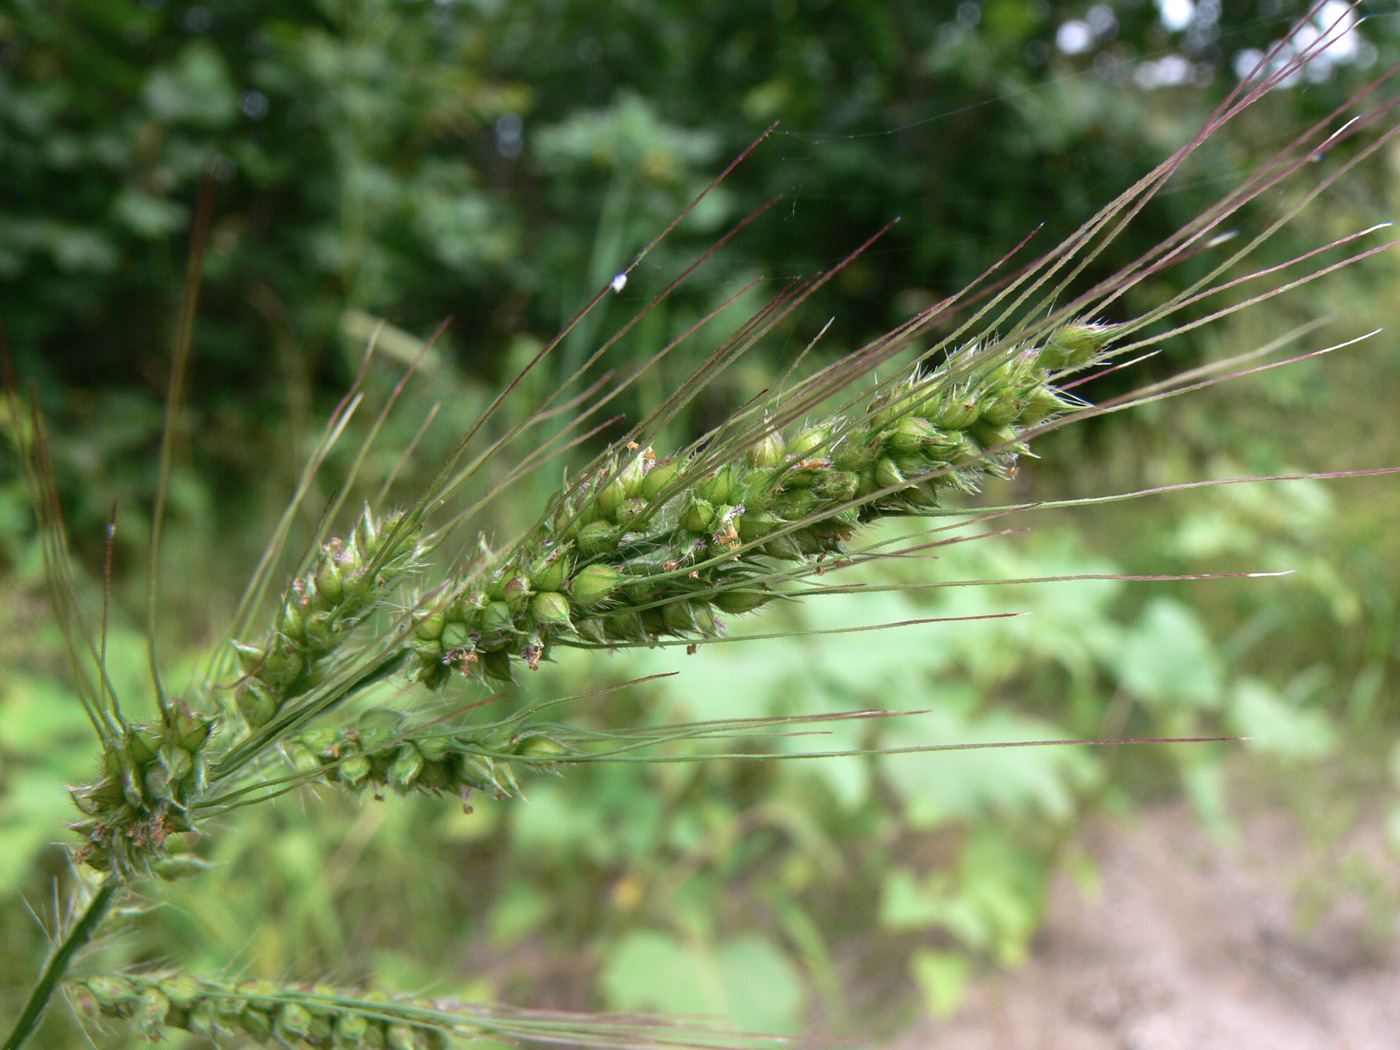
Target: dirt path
column 1191, row 946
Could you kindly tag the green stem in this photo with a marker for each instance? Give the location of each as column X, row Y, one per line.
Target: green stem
column 58, row 964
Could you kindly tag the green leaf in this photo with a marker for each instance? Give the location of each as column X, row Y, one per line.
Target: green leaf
column 520, row 910
column 32, row 808
column 1167, row 659
column 941, row 786
column 942, row 980
column 993, row 904
column 1276, row 726
column 196, row 88
column 746, row 980
column 149, row 215
column 906, row 905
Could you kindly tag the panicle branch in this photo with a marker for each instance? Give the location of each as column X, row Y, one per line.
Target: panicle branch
column 644, row 548
column 324, row 1018
column 320, row 608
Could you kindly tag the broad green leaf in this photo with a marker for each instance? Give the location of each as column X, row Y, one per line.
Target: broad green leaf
column 746, row 980
column 1276, row 726
column 1167, row 659
column 942, row 979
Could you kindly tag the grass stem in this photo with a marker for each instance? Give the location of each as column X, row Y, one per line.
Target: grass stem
column 58, row 964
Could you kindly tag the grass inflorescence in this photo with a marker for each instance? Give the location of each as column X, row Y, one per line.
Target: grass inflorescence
column 647, row 548
column 325, row 1018
column 637, row 548
column 348, row 579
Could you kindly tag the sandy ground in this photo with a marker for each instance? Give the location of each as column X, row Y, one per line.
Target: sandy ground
column 1189, row 944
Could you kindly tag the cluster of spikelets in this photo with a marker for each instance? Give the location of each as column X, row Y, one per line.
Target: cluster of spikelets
column 379, row 752
column 152, row 775
column 317, row 1017
column 347, row 579
column 645, row 548
column 639, row 550
column 642, row 549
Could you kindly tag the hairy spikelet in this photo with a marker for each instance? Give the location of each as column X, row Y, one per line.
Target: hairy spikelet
column 325, row 1018
column 347, row 579
column 152, row 775
column 649, row 548
column 151, row 779
column 313, row 1017
column 643, row 549
column 379, row 752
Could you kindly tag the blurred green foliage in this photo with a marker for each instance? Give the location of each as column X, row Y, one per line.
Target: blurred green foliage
column 499, row 163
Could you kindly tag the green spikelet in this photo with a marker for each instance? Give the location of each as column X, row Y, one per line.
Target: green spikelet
column 646, row 549
column 149, row 784
column 378, row 754
column 348, row 578
column 317, row 1018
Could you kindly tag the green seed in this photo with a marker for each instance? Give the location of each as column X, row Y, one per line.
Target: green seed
column 282, row 666
column 330, row 581
column 1074, row 345
column 551, row 574
column 294, row 1021
column 496, row 617
column 954, row 413
column 255, row 704
column 594, row 583
column 838, row 486
column 515, row 591
column 769, row 451
column 611, row 497
column 756, row 526
column 293, row 621
column 721, row 486
column 430, row 627
column 624, row 627
column 856, row 451
column 689, row 617
column 256, row 1022
column 598, row 537
column 304, row 759
column 924, row 494
column 990, row 436
column 551, row 609
column 250, row 657
column 182, row 991
column 810, row 442
column 406, row 768
column 632, row 476
column 1041, row 405
column 806, row 474
column 455, row 635
column 178, row 763
column 354, row 771
column 887, row 474
column 699, row 515
column 630, row 511
column 496, row 664
column 660, row 477
column 741, row 600
column 1002, row 411
column 540, row 747
column 350, row 1030
column 911, row 434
